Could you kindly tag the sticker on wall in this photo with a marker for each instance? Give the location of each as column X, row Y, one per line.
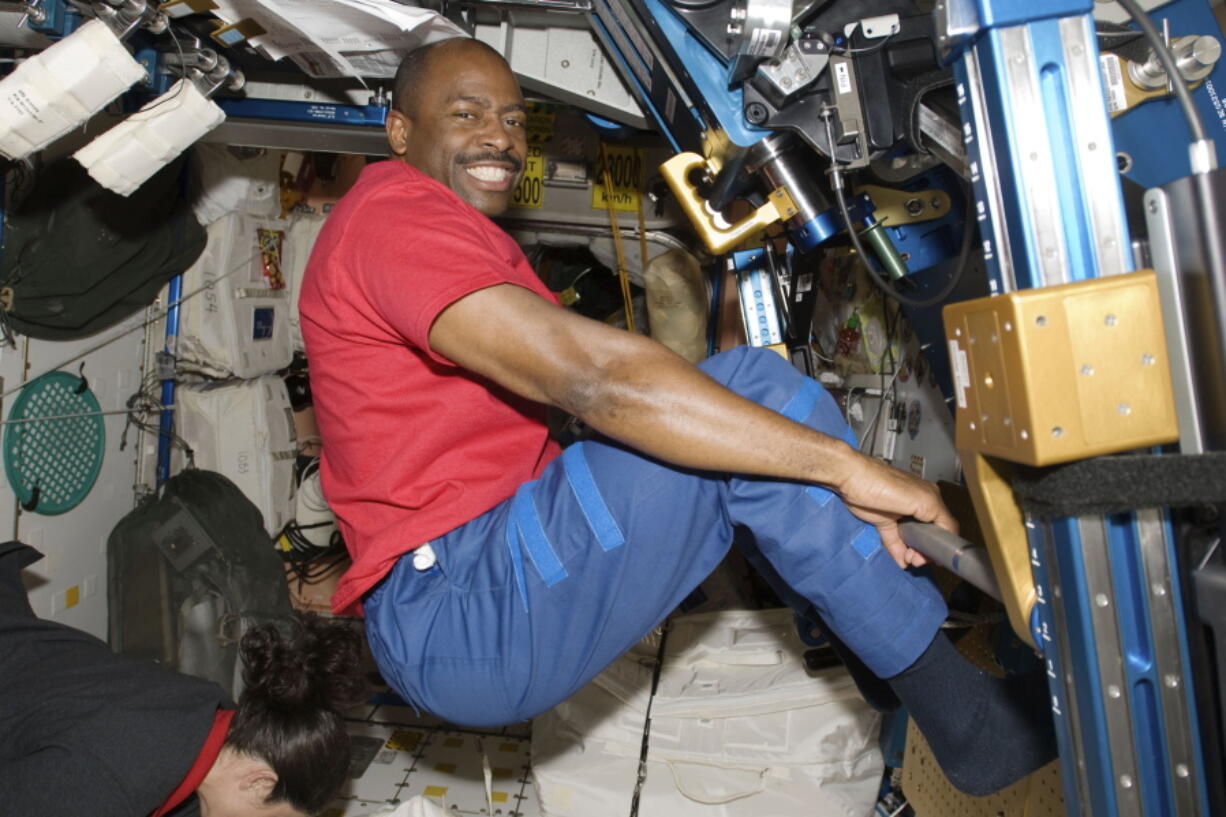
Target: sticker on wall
column 625, row 166
column 530, row 192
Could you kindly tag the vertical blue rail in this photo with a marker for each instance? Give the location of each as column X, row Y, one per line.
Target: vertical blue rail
column 166, row 421
column 1050, row 212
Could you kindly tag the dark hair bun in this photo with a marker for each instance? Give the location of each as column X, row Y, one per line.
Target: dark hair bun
column 317, row 665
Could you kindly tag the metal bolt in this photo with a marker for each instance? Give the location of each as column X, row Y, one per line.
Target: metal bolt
column 1126, row 781
column 973, row 426
column 1034, row 156
column 1153, row 207
column 1110, row 320
column 935, row 202
column 1124, row 409
column 756, row 113
column 1008, row 326
column 1101, row 600
column 1008, row 421
column 1057, row 432
column 958, row 333
column 1158, row 589
column 1087, row 370
column 914, row 206
column 566, row 63
column 1147, row 360
column 1171, row 681
column 1041, row 320
column 1025, row 435
column 1113, row 691
column 1181, row 770
column 1093, row 146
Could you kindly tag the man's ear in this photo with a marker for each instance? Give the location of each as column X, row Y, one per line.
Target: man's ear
column 257, row 782
column 399, row 130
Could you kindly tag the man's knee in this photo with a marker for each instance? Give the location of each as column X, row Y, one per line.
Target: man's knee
column 749, row 364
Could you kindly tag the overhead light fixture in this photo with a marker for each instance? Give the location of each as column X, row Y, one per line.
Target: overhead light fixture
column 62, row 87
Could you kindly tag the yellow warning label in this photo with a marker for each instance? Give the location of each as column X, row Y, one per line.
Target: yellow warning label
column 404, row 741
column 498, row 796
column 530, row 192
column 541, row 119
column 435, row 791
column 625, row 174
column 72, row 596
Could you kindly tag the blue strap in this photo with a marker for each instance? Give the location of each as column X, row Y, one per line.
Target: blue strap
column 867, row 542
column 803, row 401
column 819, row 495
column 526, row 519
column 517, row 561
column 595, row 511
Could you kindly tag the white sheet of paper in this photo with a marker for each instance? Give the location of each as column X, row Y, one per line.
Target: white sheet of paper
column 339, row 38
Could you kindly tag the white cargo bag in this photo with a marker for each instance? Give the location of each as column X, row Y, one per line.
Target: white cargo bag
column 739, row 728
column 302, row 234
column 245, row 431
column 239, row 325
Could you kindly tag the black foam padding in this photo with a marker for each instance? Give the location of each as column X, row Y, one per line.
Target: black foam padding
column 1123, row 483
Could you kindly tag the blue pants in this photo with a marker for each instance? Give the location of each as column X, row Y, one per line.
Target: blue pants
column 529, row 601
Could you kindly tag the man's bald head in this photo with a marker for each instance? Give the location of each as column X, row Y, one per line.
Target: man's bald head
column 414, row 70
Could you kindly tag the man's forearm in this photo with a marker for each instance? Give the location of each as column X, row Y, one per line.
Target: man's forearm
column 654, row 401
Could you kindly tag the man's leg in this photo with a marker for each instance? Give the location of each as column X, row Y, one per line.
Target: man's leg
column 985, row 732
column 529, row 601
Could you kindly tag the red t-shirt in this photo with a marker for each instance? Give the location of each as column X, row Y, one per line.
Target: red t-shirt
column 413, row 446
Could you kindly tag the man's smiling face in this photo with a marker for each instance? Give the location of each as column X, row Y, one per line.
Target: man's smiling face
column 464, row 125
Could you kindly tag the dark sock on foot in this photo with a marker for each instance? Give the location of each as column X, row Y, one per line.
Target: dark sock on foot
column 985, row 732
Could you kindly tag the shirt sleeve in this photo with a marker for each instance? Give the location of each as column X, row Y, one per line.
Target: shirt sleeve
column 426, row 254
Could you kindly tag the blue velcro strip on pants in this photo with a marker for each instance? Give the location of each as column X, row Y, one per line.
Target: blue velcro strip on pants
column 525, row 518
column 867, row 542
column 517, row 562
column 601, row 522
column 819, row 495
column 803, row 401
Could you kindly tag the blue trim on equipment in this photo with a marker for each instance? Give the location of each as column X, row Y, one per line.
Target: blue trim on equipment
column 709, row 73
column 595, row 511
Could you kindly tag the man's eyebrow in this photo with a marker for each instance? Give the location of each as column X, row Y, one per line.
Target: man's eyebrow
column 484, row 102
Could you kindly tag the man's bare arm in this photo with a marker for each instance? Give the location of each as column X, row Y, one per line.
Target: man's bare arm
column 640, row 393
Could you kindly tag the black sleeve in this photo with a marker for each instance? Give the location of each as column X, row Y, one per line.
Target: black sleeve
column 13, row 557
column 58, row 782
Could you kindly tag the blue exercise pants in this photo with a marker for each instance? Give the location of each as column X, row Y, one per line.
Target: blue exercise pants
column 529, row 601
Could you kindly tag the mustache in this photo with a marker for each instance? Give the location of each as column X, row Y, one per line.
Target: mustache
column 489, row 156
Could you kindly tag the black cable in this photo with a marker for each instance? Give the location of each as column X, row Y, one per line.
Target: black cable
column 1172, row 69
column 916, row 303
column 870, row 49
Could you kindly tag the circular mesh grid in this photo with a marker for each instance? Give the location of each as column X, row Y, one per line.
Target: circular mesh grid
column 58, row 457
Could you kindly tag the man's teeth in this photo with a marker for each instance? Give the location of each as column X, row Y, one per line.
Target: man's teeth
column 489, row 174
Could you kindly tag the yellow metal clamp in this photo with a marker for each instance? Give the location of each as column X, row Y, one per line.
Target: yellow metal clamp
column 1046, row 376
column 717, row 234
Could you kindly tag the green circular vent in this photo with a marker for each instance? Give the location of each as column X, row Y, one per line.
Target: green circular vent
column 53, row 453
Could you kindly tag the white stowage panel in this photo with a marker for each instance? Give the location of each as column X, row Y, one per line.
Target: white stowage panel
column 739, row 728
column 240, row 325
column 302, row 234
column 245, row 431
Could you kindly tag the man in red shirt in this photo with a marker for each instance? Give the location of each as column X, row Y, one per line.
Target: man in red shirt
column 434, row 351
